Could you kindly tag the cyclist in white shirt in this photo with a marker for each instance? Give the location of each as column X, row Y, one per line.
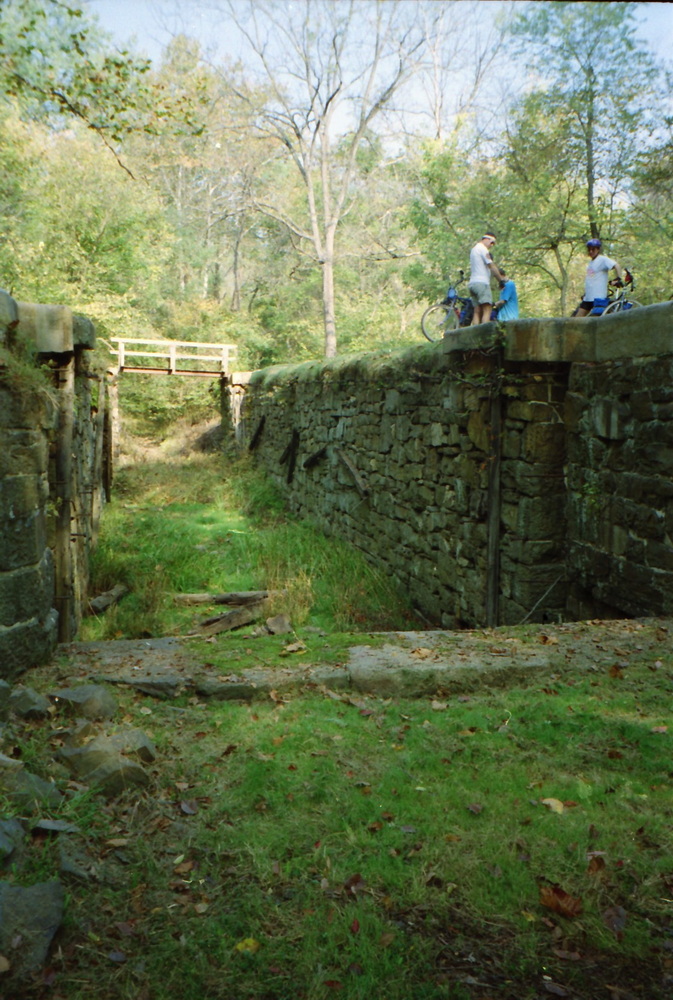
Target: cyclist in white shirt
column 479, row 286
column 596, row 282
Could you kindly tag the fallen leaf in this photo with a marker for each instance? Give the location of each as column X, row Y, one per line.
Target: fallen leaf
column 548, row 640
column 248, row 946
column 558, row 991
column 567, row 956
column 355, row 926
column 125, row 928
column 293, row 647
column 475, row 808
column 5, row 964
column 438, row 706
column 614, row 919
column 201, row 907
column 386, row 939
column 117, row 956
column 354, row 884
column 554, row 805
column 189, row 807
column 659, row 729
column 557, row 899
column 596, row 865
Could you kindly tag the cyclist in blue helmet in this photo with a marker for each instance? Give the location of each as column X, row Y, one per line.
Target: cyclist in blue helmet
column 596, row 281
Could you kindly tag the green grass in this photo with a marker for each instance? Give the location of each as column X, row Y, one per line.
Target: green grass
column 211, row 525
column 327, row 845
column 369, row 847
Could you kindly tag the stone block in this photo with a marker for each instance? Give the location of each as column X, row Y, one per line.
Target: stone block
column 435, row 435
column 544, row 443
column 21, row 495
column 659, row 555
column 48, row 328
column 479, row 430
column 9, row 316
column 23, row 452
column 22, row 541
column 27, row 644
column 27, row 593
column 607, row 418
column 541, row 517
column 635, row 334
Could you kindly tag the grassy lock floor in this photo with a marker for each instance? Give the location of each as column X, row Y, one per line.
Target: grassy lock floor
column 498, row 844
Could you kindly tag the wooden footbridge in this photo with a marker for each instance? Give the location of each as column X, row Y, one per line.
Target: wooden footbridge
column 172, row 357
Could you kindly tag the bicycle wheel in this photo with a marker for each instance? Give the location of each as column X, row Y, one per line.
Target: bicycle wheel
column 438, row 320
column 621, row 305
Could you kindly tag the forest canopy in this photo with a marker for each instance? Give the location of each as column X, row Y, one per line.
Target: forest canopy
column 311, row 194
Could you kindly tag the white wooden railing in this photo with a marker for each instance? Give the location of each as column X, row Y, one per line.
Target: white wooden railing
column 171, row 357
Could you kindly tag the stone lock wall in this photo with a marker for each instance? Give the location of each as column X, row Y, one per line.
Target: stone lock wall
column 619, row 419
column 54, row 469
column 399, row 456
column 510, row 474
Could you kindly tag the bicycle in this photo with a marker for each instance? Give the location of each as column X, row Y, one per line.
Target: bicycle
column 621, row 301
column 448, row 315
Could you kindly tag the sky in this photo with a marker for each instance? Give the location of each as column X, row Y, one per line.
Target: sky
column 143, row 20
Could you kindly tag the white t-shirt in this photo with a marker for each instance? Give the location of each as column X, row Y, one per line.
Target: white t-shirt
column 596, row 283
column 480, row 258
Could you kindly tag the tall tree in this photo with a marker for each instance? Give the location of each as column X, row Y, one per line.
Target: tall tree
column 331, row 69
column 597, row 76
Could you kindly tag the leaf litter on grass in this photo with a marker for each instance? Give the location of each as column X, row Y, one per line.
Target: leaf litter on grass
column 313, row 813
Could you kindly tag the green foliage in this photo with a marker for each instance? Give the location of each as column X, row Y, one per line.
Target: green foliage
column 19, row 370
column 213, row 239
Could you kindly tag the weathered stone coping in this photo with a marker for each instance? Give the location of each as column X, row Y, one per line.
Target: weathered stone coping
column 52, row 329
column 644, row 332
column 636, row 333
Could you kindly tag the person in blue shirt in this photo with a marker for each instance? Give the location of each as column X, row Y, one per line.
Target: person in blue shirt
column 508, row 303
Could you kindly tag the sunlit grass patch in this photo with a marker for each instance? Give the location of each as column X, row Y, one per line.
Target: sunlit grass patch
column 208, row 525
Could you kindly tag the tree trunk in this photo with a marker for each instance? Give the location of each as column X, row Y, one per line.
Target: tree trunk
column 563, row 271
column 591, row 168
column 328, row 306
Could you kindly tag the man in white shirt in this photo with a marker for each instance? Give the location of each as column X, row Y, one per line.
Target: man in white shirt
column 479, row 285
column 596, row 281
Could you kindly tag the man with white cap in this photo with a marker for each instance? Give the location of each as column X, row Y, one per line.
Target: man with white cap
column 479, row 286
